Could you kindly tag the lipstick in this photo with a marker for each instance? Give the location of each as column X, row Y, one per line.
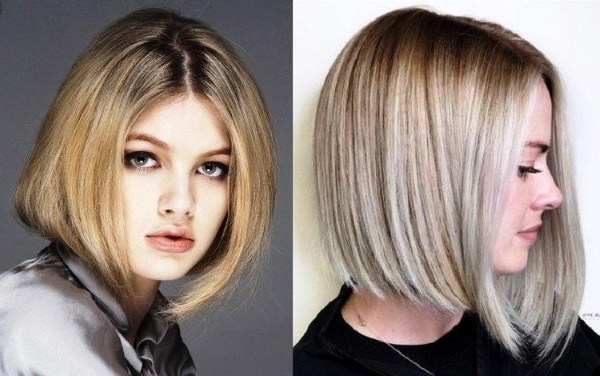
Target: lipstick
column 170, row 245
column 171, row 240
column 530, row 234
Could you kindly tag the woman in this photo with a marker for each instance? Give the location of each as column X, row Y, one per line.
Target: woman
column 448, row 207
column 140, row 174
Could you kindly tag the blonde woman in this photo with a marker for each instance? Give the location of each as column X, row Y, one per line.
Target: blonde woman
column 141, row 173
column 447, row 204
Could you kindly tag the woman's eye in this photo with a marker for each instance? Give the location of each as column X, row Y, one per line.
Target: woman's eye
column 140, row 159
column 525, row 170
column 213, row 169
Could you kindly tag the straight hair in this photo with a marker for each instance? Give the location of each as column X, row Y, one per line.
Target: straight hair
column 70, row 189
column 419, row 129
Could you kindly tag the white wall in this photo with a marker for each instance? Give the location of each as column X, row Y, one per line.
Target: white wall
column 567, row 32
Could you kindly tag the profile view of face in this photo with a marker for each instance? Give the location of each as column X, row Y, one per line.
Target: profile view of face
column 175, row 186
column 531, row 192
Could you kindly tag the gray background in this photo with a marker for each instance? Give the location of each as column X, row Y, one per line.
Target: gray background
column 251, row 333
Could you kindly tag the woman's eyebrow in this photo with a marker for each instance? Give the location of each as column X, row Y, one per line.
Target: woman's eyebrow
column 537, row 145
column 224, row 150
column 146, row 137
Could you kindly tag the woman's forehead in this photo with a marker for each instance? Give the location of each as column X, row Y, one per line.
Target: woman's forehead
column 539, row 121
column 181, row 122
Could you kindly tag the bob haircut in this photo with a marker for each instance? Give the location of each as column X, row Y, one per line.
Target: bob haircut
column 419, row 129
column 70, row 189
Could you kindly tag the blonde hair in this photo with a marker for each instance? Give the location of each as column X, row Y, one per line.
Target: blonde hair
column 419, row 128
column 70, row 189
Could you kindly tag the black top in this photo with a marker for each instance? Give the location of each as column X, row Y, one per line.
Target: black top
column 453, row 354
column 331, row 347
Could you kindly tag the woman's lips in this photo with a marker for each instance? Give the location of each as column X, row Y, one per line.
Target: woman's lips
column 530, row 234
column 170, row 244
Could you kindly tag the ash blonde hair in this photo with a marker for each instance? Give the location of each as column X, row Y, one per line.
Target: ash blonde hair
column 419, row 129
column 70, row 189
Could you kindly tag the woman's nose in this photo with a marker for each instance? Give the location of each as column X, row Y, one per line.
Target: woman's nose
column 548, row 196
column 177, row 199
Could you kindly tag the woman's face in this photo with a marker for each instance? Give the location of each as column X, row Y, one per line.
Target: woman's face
column 531, row 192
column 175, row 186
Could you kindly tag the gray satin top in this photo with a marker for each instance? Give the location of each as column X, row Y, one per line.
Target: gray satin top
column 56, row 318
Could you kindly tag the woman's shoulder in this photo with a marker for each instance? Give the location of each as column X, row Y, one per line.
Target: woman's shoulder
column 582, row 356
column 315, row 353
column 585, row 346
column 45, row 317
column 42, row 288
column 587, row 333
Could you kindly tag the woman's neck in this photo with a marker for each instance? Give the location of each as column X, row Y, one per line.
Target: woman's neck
column 396, row 320
column 137, row 309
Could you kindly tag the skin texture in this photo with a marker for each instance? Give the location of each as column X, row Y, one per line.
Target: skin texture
column 395, row 320
column 529, row 195
column 179, row 185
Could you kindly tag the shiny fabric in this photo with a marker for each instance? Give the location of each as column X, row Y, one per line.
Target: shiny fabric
column 57, row 318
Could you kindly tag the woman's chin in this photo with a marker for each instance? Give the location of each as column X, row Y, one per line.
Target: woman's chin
column 512, row 261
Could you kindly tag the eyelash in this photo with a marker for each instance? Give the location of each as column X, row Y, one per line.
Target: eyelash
column 525, row 170
column 129, row 158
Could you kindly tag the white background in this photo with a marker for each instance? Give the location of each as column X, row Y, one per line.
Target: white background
column 566, row 32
